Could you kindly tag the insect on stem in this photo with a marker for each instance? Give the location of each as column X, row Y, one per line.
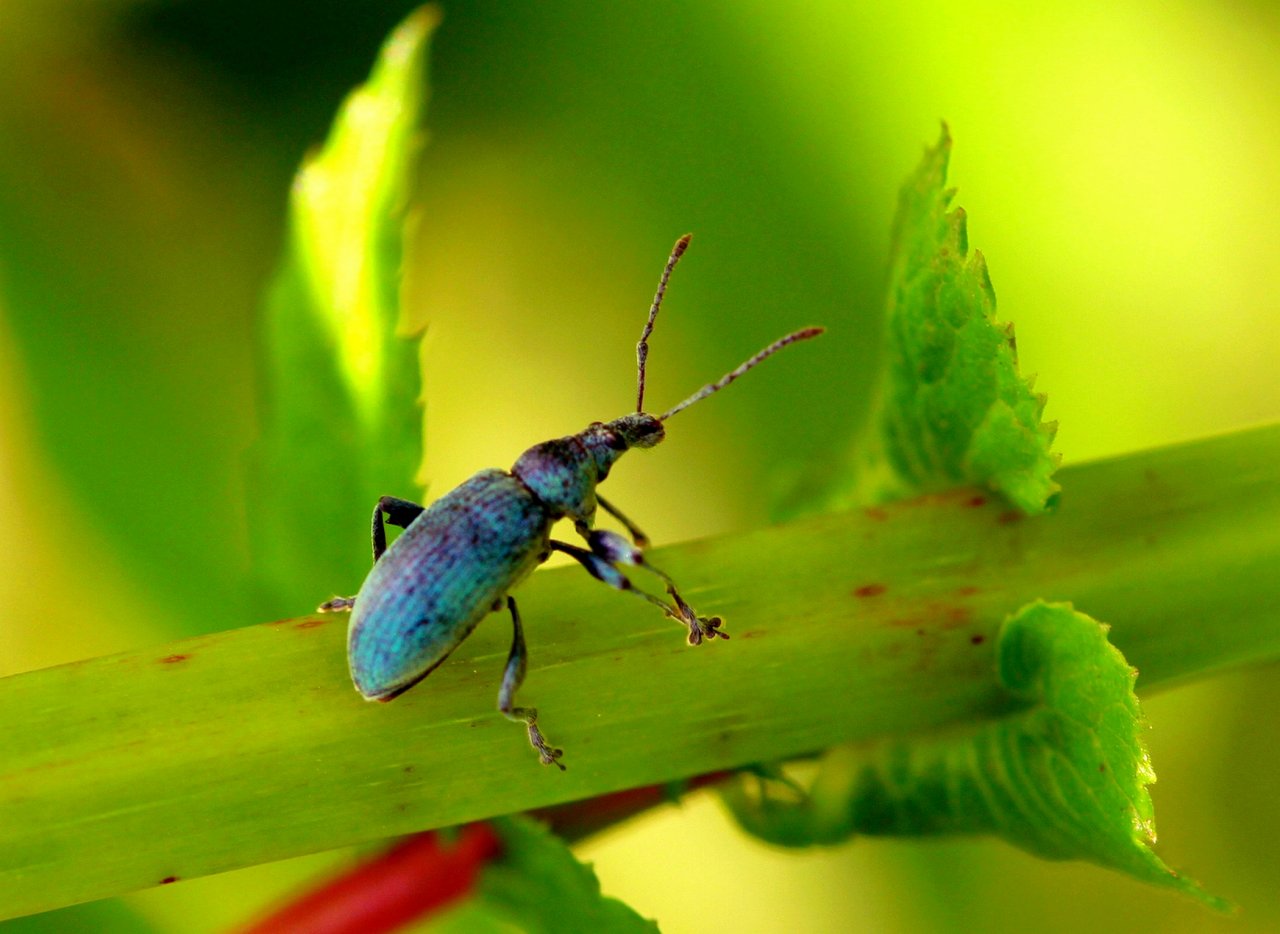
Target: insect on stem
column 802, row 335
column 458, row 559
column 642, row 348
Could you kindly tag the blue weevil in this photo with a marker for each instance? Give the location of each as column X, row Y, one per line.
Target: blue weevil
column 457, row 560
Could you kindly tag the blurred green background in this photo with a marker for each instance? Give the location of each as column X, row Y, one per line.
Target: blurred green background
column 1119, row 165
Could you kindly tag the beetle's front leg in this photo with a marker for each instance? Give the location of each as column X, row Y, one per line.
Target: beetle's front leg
column 400, row 513
column 608, row 550
column 512, row 678
column 641, row 540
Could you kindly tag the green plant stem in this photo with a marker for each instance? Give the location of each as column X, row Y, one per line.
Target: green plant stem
column 250, row 745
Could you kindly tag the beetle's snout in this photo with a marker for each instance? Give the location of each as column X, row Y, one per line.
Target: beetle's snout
column 649, row 434
column 639, row 430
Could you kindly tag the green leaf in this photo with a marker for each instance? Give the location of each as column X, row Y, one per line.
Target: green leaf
column 952, row 408
column 543, row 887
column 1063, row 777
column 341, row 421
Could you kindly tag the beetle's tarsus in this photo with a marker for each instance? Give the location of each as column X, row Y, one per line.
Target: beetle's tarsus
column 553, row 758
column 706, row 627
column 548, row 754
column 337, row 605
column 700, row 627
column 512, row 678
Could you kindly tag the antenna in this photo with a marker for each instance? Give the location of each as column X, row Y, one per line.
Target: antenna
column 802, row 335
column 642, row 348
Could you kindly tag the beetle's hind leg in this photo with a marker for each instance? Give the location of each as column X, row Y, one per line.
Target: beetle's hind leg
column 400, row 512
column 512, row 678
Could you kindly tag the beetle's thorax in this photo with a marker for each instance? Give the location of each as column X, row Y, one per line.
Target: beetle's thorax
column 563, row 473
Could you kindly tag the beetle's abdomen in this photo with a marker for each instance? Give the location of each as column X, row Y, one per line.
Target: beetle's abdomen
column 440, row 578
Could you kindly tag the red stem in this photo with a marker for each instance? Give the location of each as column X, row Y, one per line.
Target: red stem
column 419, row 876
column 414, row 878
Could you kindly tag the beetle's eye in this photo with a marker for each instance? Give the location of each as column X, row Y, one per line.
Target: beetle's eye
column 615, row 441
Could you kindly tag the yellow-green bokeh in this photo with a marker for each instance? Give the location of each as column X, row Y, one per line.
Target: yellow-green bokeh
column 1118, row 162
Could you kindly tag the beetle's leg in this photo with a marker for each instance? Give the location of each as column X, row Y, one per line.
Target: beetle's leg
column 641, row 540
column 337, row 605
column 700, row 627
column 512, row 678
column 604, row 569
column 400, row 512
column 613, row 547
column 608, row 550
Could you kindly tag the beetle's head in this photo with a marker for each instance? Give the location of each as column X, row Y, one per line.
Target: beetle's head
column 638, row 430
column 607, row 441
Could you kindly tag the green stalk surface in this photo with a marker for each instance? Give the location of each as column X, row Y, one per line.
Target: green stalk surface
column 250, row 745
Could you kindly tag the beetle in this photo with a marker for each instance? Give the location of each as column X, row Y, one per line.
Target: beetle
column 457, row 559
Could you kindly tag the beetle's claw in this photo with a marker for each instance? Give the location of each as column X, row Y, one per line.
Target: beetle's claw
column 337, row 605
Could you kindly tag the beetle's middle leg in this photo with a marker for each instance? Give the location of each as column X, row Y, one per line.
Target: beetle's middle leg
column 400, row 513
column 512, row 678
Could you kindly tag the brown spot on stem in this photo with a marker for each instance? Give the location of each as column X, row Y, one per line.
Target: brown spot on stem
column 968, row 590
column 893, row 649
column 977, row 638
column 168, row 880
column 1009, row 517
column 174, row 659
column 875, row 513
column 870, row 590
column 311, row 623
column 976, row 501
